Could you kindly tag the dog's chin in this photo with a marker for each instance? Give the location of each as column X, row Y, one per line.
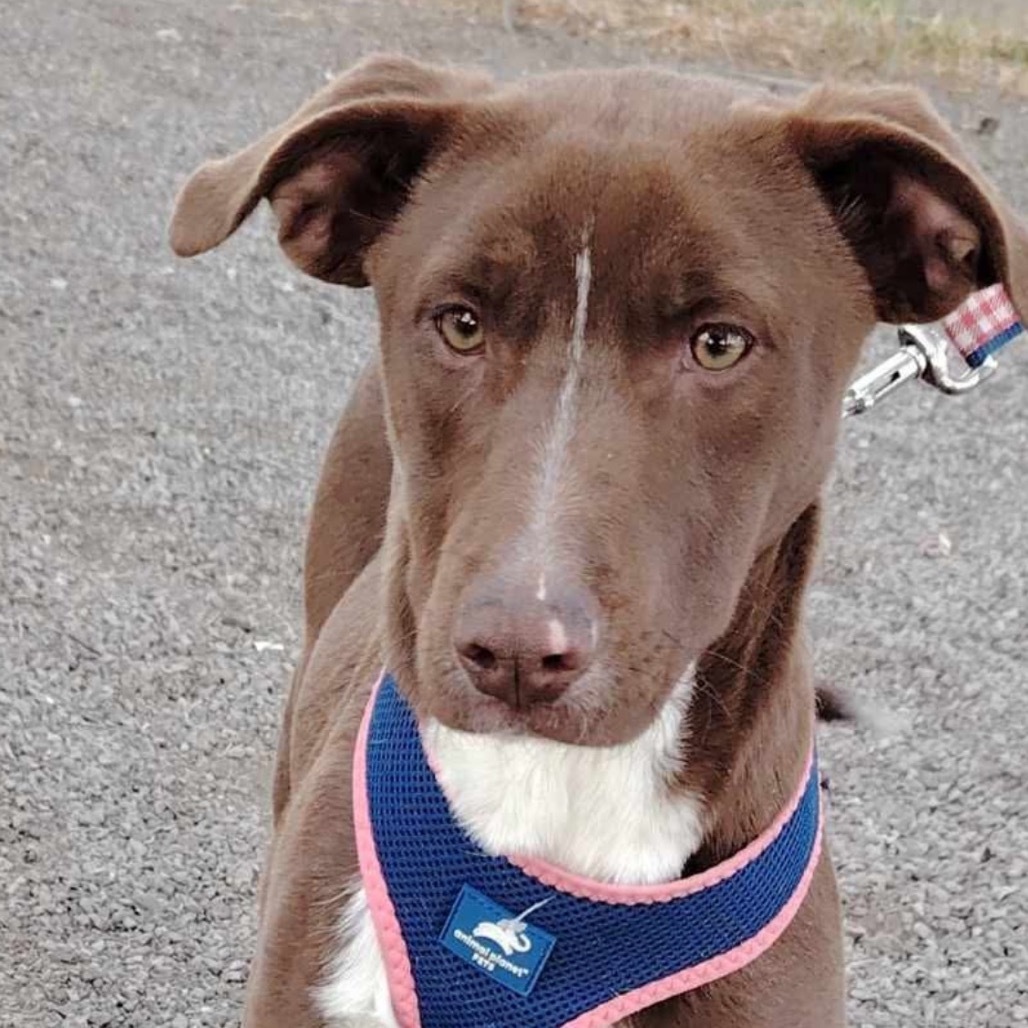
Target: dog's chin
column 563, row 722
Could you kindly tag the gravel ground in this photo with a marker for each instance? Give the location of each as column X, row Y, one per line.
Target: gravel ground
column 160, row 428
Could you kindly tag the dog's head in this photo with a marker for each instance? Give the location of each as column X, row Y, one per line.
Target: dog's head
column 618, row 314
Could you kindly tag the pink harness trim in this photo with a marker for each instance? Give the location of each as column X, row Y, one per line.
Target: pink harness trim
column 394, row 949
column 703, row 974
column 607, row 892
column 383, row 916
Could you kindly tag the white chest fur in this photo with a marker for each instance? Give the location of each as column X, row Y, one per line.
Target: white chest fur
column 603, row 812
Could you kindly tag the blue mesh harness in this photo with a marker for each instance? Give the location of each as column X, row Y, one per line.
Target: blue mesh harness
column 474, row 941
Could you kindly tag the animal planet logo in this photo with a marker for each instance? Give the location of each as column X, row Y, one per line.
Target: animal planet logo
column 501, row 945
column 509, row 932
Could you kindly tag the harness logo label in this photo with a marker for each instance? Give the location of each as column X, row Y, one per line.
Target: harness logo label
column 496, row 942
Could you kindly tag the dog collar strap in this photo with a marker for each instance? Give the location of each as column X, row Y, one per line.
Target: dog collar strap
column 978, row 329
column 473, row 939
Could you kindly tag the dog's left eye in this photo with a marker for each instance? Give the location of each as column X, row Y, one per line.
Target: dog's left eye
column 718, row 347
column 460, row 329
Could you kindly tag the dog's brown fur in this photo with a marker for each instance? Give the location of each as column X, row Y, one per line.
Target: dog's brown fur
column 700, row 202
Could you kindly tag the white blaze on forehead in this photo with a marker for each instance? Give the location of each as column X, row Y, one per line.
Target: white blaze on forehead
column 562, row 425
column 583, row 281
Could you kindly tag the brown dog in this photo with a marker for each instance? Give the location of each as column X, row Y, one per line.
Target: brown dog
column 618, row 314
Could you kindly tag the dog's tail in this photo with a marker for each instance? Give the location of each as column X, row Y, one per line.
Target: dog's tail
column 837, row 704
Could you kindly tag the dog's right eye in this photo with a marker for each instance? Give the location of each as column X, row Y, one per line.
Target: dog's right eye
column 460, row 329
column 719, row 347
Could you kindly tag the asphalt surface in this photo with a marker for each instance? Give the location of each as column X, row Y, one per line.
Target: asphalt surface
column 161, row 424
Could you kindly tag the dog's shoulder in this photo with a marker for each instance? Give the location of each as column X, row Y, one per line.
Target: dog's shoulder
column 313, row 859
column 336, row 676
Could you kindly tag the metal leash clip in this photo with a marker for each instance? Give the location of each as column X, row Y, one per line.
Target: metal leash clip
column 925, row 354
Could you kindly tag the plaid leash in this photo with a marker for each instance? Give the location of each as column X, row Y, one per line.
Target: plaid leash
column 978, row 329
column 983, row 325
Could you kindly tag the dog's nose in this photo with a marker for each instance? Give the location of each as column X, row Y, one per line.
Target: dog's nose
column 525, row 646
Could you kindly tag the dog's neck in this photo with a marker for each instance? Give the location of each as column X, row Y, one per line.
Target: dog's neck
column 606, row 813
column 707, row 777
column 751, row 720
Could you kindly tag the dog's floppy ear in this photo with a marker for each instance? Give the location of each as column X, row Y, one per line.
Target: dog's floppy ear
column 337, row 171
column 921, row 218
